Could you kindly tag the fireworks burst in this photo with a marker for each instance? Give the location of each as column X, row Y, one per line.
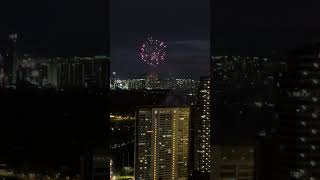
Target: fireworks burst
column 152, row 52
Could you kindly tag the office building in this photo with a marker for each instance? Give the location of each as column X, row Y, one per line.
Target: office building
column 11, row 65
column 201, row 130
column 53, row 73
column 122, row 84
column 243, row 97
column 180, row 85
column 244, row 100
column 152, row 83
column 97, row 73
column 234, row 162
column 162, row 143
column 101, row 166
column 137, row 84
column 70, row 74
column 239, row 85
column 95, row 165
column 81, row 72
column 299, row 125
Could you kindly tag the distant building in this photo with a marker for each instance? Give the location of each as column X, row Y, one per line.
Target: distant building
column 234, row 163
column 201, row 130
column 65, row 73
column 182, row 85
column 53, row 73
column 137, row 84
column 88, row 72
column 11, row 65
column 121, row 84
column 185, row 84
column 71, row 73
column 162, row 143
column 152, row 83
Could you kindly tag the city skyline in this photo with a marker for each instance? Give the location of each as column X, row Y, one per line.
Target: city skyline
column 234, row 25
column 44, row 27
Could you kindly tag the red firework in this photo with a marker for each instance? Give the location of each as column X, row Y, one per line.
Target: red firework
column 152, row 52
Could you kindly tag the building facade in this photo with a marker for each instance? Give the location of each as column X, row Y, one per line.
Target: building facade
column 201, row 129
column 162, row 143
column 299, row 125
column 234, row 163
column 88, row 72
column 11, row 65
column 244, row 100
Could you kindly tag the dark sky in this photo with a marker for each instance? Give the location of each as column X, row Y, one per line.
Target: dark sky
column 56, row 27
column 182, row 24
column 258, row 27
column 79, row 27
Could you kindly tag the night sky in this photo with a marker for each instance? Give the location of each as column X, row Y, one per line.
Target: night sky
column 56, row 27
column 182, row 24
column 258, row 27
column 79, row 27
